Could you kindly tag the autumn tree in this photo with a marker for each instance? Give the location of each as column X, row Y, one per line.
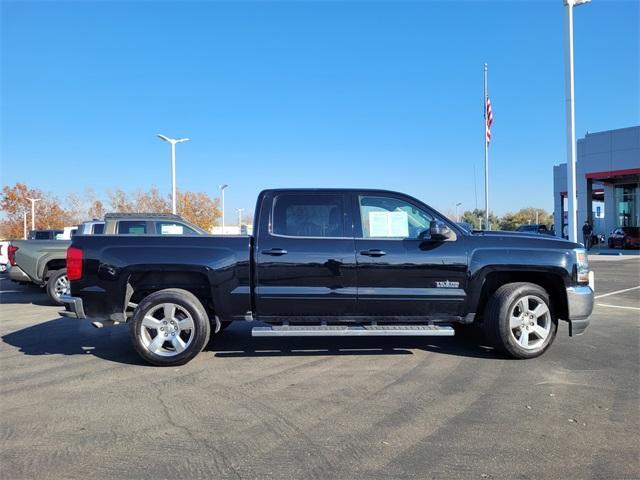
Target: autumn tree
column 14, row 202
column 199, row 209
column 119, row 201
column 151, row 201
column 96, row 210
column 76, row 208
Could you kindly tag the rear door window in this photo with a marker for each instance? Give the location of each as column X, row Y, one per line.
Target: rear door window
column 98, row 229
column 132, row 227
column 309, row 215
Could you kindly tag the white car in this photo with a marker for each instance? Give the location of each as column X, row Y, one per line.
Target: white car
column 4, row 256
column 67, row 233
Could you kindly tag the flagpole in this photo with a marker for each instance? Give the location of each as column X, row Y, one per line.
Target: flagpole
column 486, row 156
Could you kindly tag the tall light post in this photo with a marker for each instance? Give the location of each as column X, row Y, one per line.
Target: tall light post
column 457, row 216
column 24, row 223
column 33, row 211
column 240, row 210
column 571, row 118
column 173, row 142
column 222, row 189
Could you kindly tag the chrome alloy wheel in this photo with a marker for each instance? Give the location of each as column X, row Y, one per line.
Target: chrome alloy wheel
column 530, row 322
column 61, row 287
column 167, row 330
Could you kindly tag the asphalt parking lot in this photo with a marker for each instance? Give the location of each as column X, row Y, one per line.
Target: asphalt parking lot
column 76, row 402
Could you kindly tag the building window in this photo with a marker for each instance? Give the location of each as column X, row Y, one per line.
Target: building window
column 628, row 205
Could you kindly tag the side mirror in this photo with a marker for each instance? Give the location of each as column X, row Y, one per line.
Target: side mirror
column 438, row 232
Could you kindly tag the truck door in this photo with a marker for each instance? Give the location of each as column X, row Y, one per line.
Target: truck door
column 305, row 257
column 400, row 274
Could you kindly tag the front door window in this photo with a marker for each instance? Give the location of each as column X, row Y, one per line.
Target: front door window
column 388, row 217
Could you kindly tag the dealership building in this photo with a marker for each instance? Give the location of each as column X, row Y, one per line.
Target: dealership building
column 607, row 182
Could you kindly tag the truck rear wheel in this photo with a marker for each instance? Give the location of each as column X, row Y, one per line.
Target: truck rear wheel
column 519, row 320
column 169, row 327
column 57, row 285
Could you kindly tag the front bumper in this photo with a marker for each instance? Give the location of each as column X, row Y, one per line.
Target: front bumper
column 73, row 307
column 580, row 303
column 16, row 274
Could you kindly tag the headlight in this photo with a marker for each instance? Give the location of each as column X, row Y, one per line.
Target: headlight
column 582, row 266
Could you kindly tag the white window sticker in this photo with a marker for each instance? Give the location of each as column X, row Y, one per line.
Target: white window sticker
column 167, row 229
column 388, row 224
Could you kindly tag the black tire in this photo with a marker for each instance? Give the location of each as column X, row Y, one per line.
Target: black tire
column 54, row 285
column 497, row 320
column 185, row 302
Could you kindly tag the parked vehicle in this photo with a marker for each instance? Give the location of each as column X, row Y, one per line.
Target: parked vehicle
column 535, row 228
column 92, row 227
column 41, row 262
column 44, row 262
column 149, row 224
column 67, row 233
column 44, row 234
column 624, row 237
column 4, row 256
column 332, row 262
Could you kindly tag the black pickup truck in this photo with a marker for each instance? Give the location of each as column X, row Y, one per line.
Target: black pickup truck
column 332, row 262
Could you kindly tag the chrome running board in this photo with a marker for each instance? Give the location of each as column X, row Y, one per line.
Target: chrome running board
column 354, row 331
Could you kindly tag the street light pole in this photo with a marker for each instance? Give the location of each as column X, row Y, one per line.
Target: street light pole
column 222, row 189
column 571, row 118
column 457, row 216
column 33, row 211
column 24, row 223
column 173, row 142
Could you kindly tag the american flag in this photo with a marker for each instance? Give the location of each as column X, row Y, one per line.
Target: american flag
column 488, row 116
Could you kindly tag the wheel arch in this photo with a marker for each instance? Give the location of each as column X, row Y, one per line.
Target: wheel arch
column 141, row 284
column 52, row 265
column 553, row 283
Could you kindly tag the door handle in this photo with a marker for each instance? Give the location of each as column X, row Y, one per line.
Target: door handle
column 374, row 252
column 276, row 252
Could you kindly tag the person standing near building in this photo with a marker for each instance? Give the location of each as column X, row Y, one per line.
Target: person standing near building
column 586, row 234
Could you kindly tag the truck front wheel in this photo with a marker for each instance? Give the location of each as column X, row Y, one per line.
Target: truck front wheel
column 519, row 320
column 169, row 327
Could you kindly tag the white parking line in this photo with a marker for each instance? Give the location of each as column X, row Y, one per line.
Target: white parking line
column 616, row 292
column 617, row 306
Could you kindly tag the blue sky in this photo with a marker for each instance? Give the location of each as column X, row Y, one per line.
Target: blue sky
column 364, row 94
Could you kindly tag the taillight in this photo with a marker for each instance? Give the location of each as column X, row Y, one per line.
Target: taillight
column 74, row 263
column 11, row 253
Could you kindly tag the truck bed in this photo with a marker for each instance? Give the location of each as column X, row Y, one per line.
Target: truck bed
column 218, row 265
column 33, row 256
